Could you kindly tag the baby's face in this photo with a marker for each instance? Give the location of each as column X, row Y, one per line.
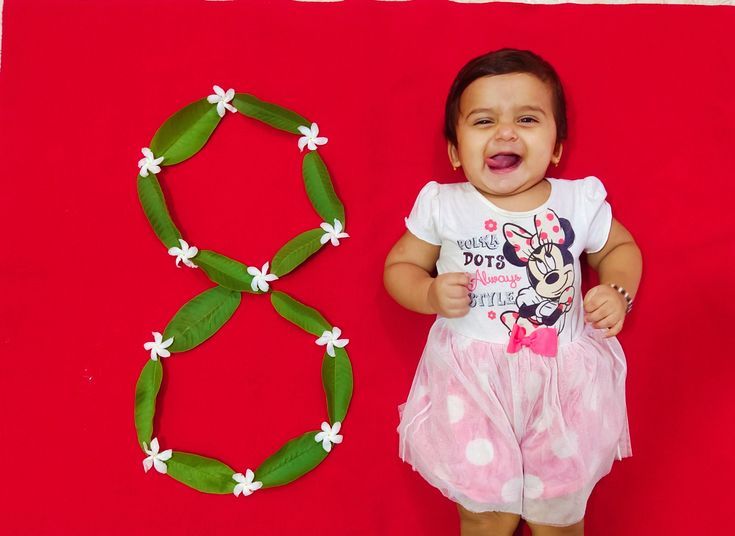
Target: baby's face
column 506, row 133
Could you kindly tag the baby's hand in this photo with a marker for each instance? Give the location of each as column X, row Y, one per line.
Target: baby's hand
column 448, row 294
column 605, row 308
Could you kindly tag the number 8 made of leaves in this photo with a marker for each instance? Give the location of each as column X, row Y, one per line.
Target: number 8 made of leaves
column 179, row 138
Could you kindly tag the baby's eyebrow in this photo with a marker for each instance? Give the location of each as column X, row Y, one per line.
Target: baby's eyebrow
column 533, row 109
column 520, row 109
column 481, row 111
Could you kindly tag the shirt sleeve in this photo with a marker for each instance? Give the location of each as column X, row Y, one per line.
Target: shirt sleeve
column 598, row 214
column 424, row 217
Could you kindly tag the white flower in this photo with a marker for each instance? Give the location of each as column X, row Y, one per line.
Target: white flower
column 245, row 484
column 310, row 137
column 261, row 278
column 329, row 435
column 332, row 233
column 331, row 339
column 149, row 162
column 222, row 100
column 184, row 253
column 155, row 458
column 158, row 346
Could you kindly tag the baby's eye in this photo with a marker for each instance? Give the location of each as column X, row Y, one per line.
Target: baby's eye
column 528, row 119
column 483, row 122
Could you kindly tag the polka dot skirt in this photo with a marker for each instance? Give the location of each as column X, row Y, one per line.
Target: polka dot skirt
column 518, row 433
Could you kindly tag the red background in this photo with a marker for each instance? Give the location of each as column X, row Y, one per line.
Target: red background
column 84, row 281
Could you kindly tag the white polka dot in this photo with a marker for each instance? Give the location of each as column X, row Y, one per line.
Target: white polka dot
column 511, row 491
column 441, row 473
column 574, row 376
column 543, row 422
column 564, row 447
column 479, row 451
column 463, row 343
column 605, row 423
column 455, row 406
column 594, row 463
column 421, row 392
column 533, row 487
column 533, row 384
column 483, row 377
column 593, row 398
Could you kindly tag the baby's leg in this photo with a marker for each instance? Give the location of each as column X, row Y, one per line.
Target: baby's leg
column 487, row 523
column 546, row 530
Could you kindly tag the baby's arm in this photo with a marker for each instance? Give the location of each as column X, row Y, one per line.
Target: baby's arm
column 407, row 277
column 619, row 262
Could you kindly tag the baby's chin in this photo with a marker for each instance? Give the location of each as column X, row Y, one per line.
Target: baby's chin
column 502, row 184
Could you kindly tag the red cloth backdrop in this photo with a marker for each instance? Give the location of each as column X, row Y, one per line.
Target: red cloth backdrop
column 84, row 281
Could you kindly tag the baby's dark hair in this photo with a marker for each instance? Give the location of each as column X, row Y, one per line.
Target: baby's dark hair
column 505, row 61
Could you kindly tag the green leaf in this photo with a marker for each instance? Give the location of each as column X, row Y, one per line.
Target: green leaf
column 271, row 114
column 302, row 315
column 224, row 271
column 337, row 381
column 154, row 206
column 201, row 317
column 203, row 474
column 320, row 190
column 185, row 132
column 146, row 391
column 294, row 459
column 296, row 251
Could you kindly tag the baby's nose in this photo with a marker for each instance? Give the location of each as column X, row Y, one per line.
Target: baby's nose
column 506, row 132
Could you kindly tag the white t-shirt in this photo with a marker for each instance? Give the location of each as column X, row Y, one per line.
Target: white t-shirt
column 524, row 266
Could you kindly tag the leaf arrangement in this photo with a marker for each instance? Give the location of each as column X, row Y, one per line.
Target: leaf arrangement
column 179, row 138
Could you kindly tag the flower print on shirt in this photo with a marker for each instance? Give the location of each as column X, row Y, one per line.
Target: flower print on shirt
column 544, row 253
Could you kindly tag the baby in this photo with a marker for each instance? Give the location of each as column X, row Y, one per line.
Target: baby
column 518, row 406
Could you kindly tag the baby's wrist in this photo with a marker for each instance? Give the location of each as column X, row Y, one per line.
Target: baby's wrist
column 624, row 294
column 431, row 307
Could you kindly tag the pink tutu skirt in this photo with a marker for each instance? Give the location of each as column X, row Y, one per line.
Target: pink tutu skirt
column 519, row 433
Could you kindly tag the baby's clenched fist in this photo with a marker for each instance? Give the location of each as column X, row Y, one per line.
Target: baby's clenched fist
column 448, row 294
column 605, row 307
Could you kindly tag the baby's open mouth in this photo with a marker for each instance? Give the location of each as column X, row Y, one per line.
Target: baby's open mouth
column 503, row 161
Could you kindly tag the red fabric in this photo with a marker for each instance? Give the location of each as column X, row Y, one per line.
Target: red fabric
column 84, row 281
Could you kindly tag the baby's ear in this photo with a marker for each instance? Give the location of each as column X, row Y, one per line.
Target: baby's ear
column 453, row 155
column 557, row 153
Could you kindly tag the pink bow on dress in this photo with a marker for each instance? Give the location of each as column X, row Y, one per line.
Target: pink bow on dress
column 543, row 341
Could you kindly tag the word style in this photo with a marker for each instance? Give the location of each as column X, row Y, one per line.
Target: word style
column 491, row 299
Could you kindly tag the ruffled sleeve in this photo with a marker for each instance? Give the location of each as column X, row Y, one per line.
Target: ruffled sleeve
column 598, row 214
column 423, row 221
